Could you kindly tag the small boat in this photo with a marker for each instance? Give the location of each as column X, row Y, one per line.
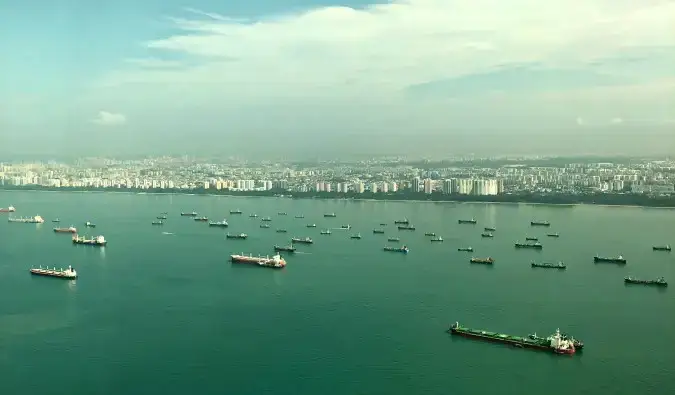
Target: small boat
column 531, row 239
column 240, row 236
column 484, row 261
column 552, row 235
column 467, row 221
column 69, row 273
column 661, row 282
column 325, row 232
column 403, row 249
column 535, row 246
column 220, row 224
column 264, row 226
column 545, row 265
column 89, row 224
column 345, row 227
column 393, row 239
column 237, row 211
column 157, row 222
column 201, row 219
column 356, row 236
column 330, row 215
column 290, row 248
column 306, row 240
column 439, row 238
column 430, row 234
column 661, row 248
column 488, row 229
column 281, row 231
column 378, row 231
column 487, row 235
column 466, row 249
column 192, row 214
column 311, row 225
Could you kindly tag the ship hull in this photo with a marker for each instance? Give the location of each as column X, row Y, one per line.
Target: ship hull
column 549, row 267
column 93, row 244
column 53, row 274
column 609, row 260
column 261, row 262
column 510, row 340
column 653, row 284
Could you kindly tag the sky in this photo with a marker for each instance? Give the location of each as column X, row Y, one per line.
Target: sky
column 328, row 78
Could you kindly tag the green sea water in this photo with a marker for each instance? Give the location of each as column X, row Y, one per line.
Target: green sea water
column 161, row 310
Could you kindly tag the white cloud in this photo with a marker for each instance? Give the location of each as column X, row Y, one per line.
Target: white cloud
column 580, row 121
column 106, row 118
column 616, row 121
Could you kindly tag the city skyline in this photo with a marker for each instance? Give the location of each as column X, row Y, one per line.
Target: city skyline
column 313, row 78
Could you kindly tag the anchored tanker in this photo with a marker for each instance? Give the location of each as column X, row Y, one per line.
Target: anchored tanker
column 98, row 241
column 275, row 262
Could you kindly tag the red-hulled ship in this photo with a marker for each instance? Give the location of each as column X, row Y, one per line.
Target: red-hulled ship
column 275, row 262
column 9, row 209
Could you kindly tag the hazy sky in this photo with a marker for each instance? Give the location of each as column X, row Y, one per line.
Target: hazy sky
column 305, row 77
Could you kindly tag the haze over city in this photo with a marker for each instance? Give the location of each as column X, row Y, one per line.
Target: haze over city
column 306, row 78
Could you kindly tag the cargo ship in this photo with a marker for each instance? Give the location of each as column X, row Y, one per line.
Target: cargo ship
column 430, row 234
column 220, row 224
column 618, row 259
column 282, row 213
column 275, row 262
column 69, row 273
column 299, row 216
column 330, row 215
column 660, row 282
column 578, row 344
column 465, row 249
column 98, row 241
column 240, row 236
column 378, row 231
column 28, row 220
column 281, row 231
column 306, row 240
column 157, row 222
column 89, row 224
column 532, row 239
column 555, row 343
column 467, row 221
column 486, row 235
column 264, row 226
column 540, row 223
column 311, row 225
column 9, row 209
column 661, row 248
column 383, row 224
column 253, row 215
column 325, row 232
column 71, row 229
column 202, row 219
column 345, row 226
column 546, row 265
column 403, row 221
column 553, row 235
column 356, row 236
column 534, row 246
column 393, row 239
column 488, row 229
column 406, row 227
column 483, row 261
column 403, row 249
column 267, row 219
column 56, row 220
column 290, row 248
column 192, row 214
column 162, row 217
column 237, row 211
column 439, row 238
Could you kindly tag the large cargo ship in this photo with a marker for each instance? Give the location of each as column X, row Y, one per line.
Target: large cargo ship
column 98, row 241
column 28, row 220
column 9, row 209
column 618, row 259
column 661, row 248
column 71, row 229
column 467, row 221
column 555, row 343
column 483, row 261
column 660, row 282
column 306, row 240
column 192, row 214
column 540, row 223
column 403, row 249
column 275, row 262
column 535, row 246
column 69, row 273
column 546, row 265
column 221, row 224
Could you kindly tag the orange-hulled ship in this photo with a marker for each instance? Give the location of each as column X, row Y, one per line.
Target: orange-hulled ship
column 275, row 262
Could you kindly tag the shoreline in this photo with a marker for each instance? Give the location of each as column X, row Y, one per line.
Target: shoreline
column 339, row 198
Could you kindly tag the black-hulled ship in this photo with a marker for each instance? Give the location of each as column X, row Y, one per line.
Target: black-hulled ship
column 158, row 222
column 540, row 223
column 535, row 246
column 383, row 224
column 403, row 249
column 237, row 211
column 240, row 236
column 467, row 221
column 552, row 235
column 201, row 219
column 482, row 261
column 430, row 234
column 531, row 239
column 661, row 248
column 290, row 248
column 299, row 216
column 393, row 239
column 546, row 265
column 403, row 221
column 306, row 240
column 465, row 249
column 220, row 224
column 488, row 229
column 345, row 226
column 356, row 236
column 267, row 219
column 253, row 215
column 325, row 232
column 281, row 231
column 282, row 213
column 311, row 225
column 617, row 259
column 330, row 215
column 162, row 217
column 192, row 214
column 486, row 234
column 378, row 231
column 406, row 227
column 264, row 226
column 659, row 282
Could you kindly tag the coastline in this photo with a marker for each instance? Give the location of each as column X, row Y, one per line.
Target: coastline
column 467, row 199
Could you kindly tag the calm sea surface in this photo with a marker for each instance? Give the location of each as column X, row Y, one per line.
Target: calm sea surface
column 162, row 311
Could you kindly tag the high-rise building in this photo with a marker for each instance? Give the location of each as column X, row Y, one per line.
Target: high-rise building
column 359, row 187
column 447, row 186
column 393, row 187
column 428, row 187
column 326, row 187
column 415, row 184
column 385, row 187
column 373, row 187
